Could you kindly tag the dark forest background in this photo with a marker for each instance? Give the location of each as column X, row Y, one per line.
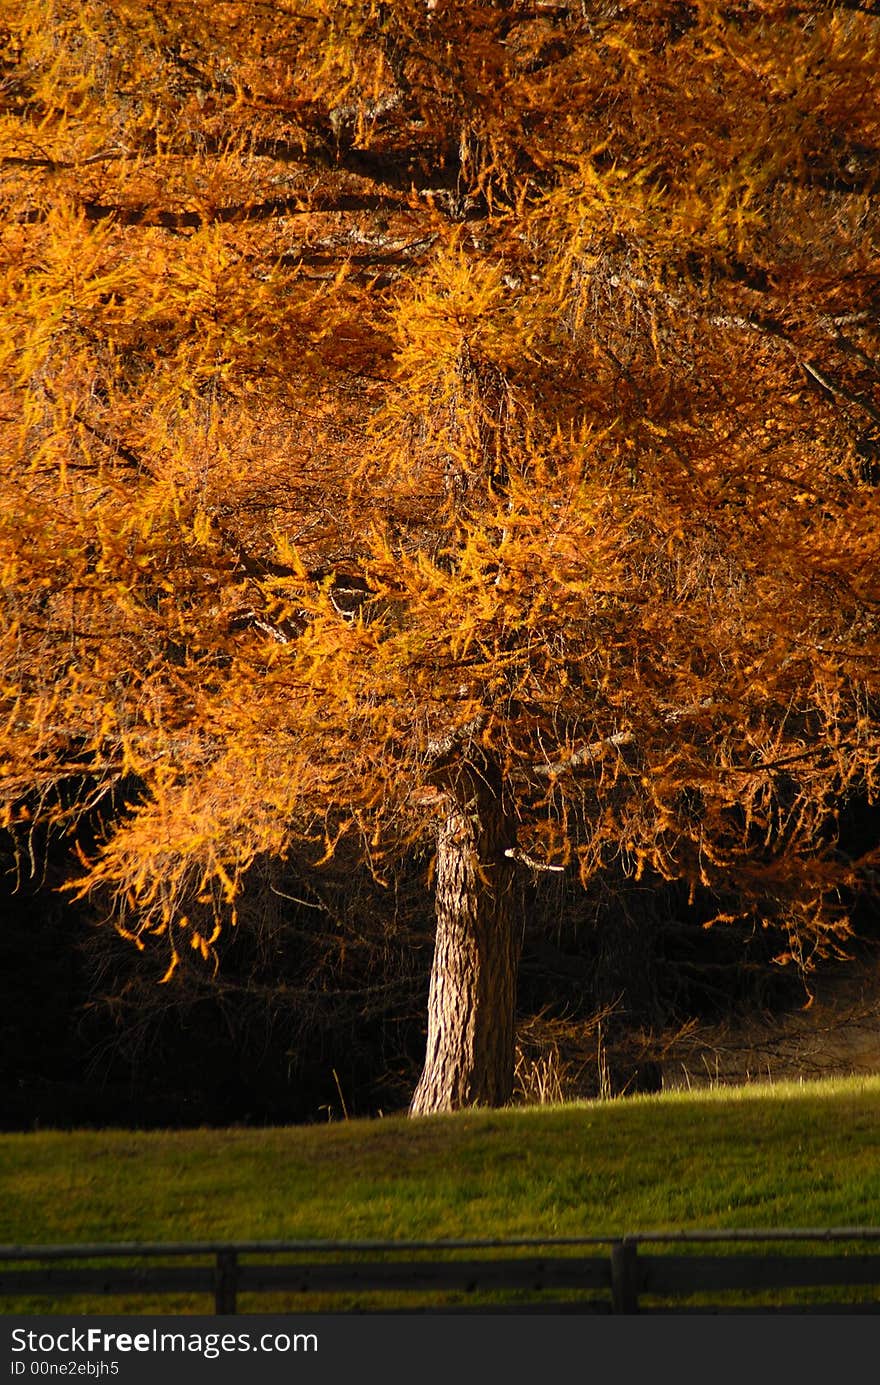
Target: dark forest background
column 316, row 1010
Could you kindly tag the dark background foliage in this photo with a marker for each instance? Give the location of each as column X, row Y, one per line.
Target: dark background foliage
column 316, row 1010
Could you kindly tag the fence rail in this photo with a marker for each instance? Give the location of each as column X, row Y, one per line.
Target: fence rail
column 618, row 1272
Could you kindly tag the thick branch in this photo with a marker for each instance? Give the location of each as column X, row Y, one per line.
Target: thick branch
column 586, row 756
column 441, row 747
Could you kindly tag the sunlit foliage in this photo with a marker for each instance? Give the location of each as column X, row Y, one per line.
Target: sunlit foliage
column 384, row 384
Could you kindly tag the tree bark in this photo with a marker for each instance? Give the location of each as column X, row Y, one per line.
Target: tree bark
column 472, row 1002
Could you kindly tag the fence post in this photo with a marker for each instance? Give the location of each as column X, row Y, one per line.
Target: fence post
column 226, row 1282
column 624, row 1277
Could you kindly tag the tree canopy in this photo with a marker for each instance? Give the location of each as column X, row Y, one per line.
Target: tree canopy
column 456, row 420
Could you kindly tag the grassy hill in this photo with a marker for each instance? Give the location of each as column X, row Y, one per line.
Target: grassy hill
column 759, row 1156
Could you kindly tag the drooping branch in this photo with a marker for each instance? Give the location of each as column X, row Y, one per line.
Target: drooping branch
column 764, row 326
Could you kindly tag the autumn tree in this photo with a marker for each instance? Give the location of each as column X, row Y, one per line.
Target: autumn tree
column 443, row 421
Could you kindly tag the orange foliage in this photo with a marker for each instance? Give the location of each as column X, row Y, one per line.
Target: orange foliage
column 384, row 380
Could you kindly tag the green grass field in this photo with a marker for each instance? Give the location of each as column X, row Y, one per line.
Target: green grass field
column 760, row 1156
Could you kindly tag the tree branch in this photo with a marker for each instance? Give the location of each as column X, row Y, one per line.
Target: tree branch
column 440, row 747
column 523, row 857
column 586, row 756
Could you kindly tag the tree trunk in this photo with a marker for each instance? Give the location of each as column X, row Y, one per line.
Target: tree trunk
column 472, row 1004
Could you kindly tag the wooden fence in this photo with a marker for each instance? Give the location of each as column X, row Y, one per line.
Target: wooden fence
column 611, row 1274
